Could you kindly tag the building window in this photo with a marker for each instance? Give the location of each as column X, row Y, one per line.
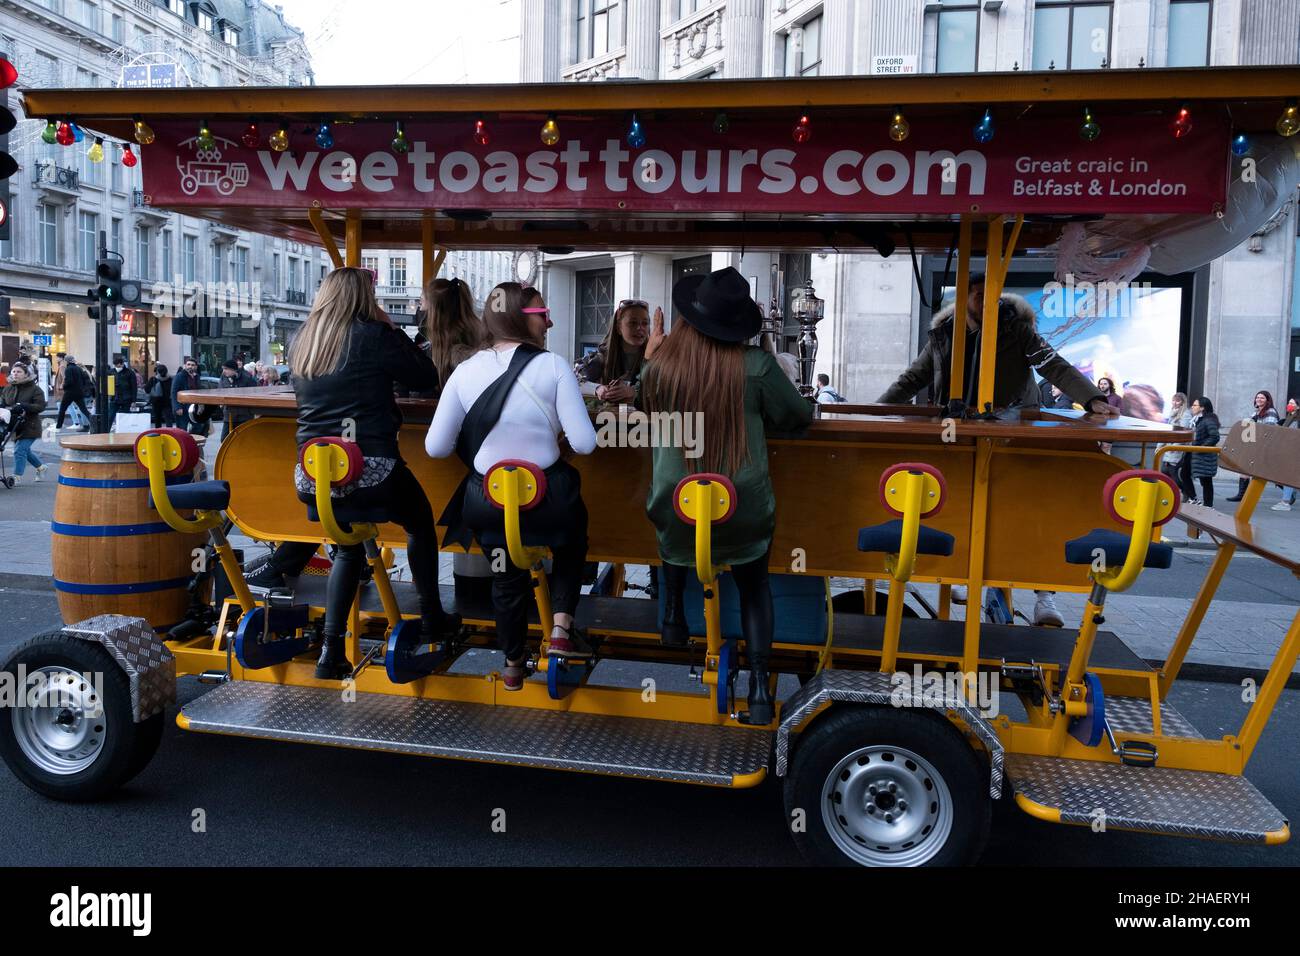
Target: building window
column 957, row 37
column 167, row 256
column 178, row 7
column 48, row 222
column 686, row 7
column 143, row 252
column 189, row 257
column 229, row 34
column 119, row 29
column 595, row 307
column 397, row 271
column 1189, row 33
column 596, row 28
column 241, row 264
column 218, row 263
column 802, row 51
column 87, row 13
column 275, row 274
column 1070, row 35
column 87, row 240
column 91, row 174
column 115, row 238
column 293, row 274
column 205, row 21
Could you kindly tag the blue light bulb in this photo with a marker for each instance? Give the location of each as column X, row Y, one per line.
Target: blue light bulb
column 77, row 134
column 324, row 138
column 635, row 135
column 1240, row 144
column 984, row 130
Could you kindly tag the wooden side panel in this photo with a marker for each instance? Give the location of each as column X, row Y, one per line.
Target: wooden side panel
column 1272, row 454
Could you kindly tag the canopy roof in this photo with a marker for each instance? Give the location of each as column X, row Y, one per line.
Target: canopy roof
column 854, row 109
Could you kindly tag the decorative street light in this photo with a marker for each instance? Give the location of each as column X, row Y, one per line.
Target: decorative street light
column 808, row 311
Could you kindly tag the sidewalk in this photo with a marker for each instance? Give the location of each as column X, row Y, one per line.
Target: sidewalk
column 1239, row 635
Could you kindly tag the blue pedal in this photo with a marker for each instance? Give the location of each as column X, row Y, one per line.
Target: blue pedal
column 259, row 643
column 728, row 668
column 401, row 661
column 562, row 676
column 1089, row 728
column 995, row 609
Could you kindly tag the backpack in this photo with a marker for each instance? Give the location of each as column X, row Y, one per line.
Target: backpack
column 156, row 391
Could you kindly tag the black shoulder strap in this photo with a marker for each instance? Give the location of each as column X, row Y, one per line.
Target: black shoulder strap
column 486, row 410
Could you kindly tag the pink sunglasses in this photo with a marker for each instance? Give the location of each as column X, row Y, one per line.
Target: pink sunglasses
column 545, row 313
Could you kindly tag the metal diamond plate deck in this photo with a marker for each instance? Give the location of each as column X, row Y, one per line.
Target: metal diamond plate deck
column 1154, row 799
column 1132, row 715
column 624, row 746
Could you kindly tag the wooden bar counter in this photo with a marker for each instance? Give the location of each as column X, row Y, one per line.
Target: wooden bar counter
column 1018, row 488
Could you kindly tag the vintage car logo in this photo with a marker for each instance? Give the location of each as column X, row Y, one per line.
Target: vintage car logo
column 207, row 171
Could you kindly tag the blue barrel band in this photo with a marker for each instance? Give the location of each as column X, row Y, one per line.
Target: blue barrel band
column 142, row 587
column 110, row 530
column 118, row 482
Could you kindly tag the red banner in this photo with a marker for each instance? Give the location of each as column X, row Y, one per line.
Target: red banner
column 1030, row 166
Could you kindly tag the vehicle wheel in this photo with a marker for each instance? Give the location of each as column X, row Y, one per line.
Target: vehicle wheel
column 72, row 745
column 886, row 787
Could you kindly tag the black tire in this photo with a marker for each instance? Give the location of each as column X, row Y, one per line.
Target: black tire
column 846, row 729
column 127, row 746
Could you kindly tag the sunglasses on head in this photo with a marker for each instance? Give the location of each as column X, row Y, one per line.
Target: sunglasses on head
column 624, row 303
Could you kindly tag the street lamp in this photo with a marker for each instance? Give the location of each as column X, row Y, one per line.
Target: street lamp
column 808, row 311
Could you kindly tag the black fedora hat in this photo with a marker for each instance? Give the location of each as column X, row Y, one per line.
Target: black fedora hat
column 719, row 305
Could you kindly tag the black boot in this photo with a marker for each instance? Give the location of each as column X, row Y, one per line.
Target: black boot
column 675, row 631
column 333, row 663
column 1241, row 489
column 756, row 623
column 761, row 707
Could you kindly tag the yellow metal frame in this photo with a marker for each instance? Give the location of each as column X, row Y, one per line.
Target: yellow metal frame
column 915, row 494
column 513, row 488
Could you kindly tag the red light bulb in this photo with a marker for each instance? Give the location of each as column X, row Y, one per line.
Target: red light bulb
column 803, row 130
column 1182, row 123
column 65, row 136
column 252, row 137
column 129, row 159
column 8, row 74
column 480, row 133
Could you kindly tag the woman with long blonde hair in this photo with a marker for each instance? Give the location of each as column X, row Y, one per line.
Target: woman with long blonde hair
column 704, row 368
column 613, row 371
column 345, row 362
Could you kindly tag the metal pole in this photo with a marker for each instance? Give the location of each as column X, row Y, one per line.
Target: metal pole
column 103, row 401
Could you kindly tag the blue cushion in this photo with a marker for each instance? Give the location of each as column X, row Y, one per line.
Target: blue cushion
column 1115, row 548
column 887, row 538
column 204, row 495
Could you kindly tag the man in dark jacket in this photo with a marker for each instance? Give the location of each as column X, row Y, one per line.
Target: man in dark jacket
column 125, row 385
column 234, row 375
column 77, row 387
column 187, row 379
column 22, row 399
column 1020, row 351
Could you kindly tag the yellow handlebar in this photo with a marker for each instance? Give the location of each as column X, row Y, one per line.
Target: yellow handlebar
column 155, row 459
column 520, row 556
column 321, row 462
column 1139, row 541
column 704, row 569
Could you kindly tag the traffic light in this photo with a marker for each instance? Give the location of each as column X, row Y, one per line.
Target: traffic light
column 8, row 165
column 108, row 272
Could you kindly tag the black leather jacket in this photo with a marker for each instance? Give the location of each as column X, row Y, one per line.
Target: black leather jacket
column 361, row 389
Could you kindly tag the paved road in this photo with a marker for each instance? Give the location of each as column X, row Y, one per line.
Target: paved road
column 269, row 803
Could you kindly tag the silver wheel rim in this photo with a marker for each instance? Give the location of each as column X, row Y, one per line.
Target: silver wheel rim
column 60, row 724
column 887, row 806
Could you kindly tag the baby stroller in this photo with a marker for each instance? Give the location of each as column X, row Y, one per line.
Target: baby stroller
column 18, row 416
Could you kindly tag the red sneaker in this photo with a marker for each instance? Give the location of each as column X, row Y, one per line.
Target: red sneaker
column 513, row 675
column 571, row 644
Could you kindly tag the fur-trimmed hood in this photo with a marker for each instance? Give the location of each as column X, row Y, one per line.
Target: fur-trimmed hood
column 1022, row 313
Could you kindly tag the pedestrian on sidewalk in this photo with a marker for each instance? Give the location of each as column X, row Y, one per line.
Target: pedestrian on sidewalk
column 124, row 387
column 77, row 387
column 159, row 390
column 1292, row 421
column 23, row 395
column 1264, row 414
column 1204, row 466
column 1179, row 417
column 234, row 375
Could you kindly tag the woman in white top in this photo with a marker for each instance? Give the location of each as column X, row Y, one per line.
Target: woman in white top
column 512, row 400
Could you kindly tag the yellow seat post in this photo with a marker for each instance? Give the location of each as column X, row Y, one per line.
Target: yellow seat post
column 156, row 451
column 1104, row 581
column 900, row 567
column 522, row 557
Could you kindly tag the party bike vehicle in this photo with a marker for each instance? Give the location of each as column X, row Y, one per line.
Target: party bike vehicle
column 895, row 732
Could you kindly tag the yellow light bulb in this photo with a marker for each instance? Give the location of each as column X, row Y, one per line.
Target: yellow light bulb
column 280, row 140
column 1288, row 123
column 899, row 129
column 96, row 151
column 143, row 133
column 550, row 132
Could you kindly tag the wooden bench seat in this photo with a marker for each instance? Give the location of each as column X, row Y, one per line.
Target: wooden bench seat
column 1278, row 548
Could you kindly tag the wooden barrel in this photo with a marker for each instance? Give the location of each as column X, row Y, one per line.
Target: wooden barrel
column 111, row 552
